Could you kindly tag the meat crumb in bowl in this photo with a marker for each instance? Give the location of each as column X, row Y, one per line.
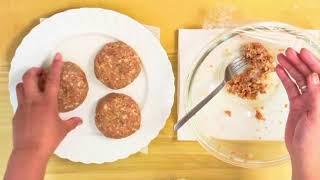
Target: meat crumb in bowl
column 259, row 115
column 228, row 113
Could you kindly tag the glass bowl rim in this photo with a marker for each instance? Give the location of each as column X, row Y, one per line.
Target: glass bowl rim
column 205, row 51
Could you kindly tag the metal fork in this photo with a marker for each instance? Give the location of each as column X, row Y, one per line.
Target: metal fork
column 234, row 68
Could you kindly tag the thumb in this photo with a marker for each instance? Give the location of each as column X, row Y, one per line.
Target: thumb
column 313, row 82
column 314, row 92
column 72, row 123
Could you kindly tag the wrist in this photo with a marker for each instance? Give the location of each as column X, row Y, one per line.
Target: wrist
column 305, row 171
column 29, row 163
column 33, row 153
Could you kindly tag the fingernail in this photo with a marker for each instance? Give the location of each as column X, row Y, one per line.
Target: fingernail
column 58, row 57
column 80, row 122
column 288, row 50
column 315, row 78
column 281, row 55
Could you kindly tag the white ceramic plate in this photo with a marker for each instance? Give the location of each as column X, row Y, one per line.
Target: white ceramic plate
column 79, row 34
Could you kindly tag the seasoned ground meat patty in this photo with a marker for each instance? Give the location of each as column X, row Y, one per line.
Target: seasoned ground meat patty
column 73, row 86
column 117, row 115
column 117, row 65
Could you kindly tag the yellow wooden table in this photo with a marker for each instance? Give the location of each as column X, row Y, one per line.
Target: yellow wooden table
column 167, row 158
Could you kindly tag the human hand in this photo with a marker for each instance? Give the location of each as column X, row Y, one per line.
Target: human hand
column 303, row 125
column 36, row 123
column 37, row 127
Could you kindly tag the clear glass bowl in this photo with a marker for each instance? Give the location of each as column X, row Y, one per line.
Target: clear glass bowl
column 241, row 139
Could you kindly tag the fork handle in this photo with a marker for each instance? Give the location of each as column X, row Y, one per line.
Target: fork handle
column 202, row 103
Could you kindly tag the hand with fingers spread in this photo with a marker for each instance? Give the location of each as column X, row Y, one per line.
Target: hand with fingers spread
column 37, row 127
column 299, row 73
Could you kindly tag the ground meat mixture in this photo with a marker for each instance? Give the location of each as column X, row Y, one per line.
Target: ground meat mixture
column 73, row 87
column 228, row 113
column 259, row 115
column 251, row 82
column 117, row 65
column 117, row 115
